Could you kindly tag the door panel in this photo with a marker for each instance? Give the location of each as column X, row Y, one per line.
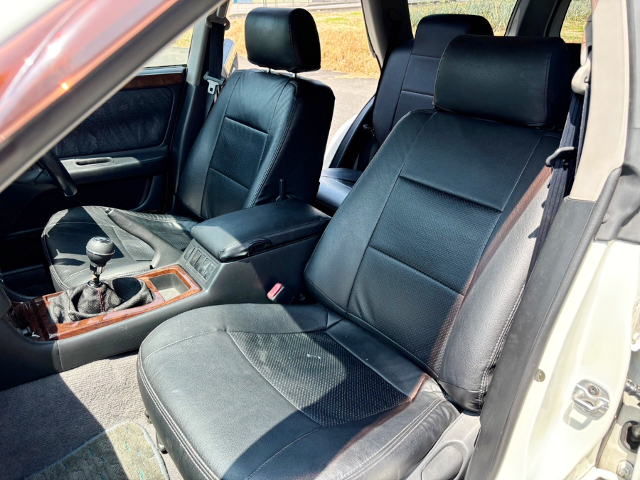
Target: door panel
column 118, row 157
column 131, row 119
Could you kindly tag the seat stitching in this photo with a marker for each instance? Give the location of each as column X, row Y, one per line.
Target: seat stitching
column 515, row 184
column 395, row 182
column 451, row 194
column 266, row 380
column 173, row 218
column 437, row 57
column 228, row 117
column 180, row 341
column 68, row 222
column 366, row 325
column 280, row 451
column 404, row 79
column 227, row 176
column 195, row 457
column 498, row 346
column 413, row 92
column 342, row 310
column 415, row 269
column 398, row 437
column 53, row 271
column 397, row 443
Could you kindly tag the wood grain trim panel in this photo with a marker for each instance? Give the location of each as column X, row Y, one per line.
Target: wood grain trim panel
column 35, row 313
column 154, row 80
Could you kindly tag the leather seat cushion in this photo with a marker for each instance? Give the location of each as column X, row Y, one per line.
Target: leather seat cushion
column 289, row 392
column 68, row 231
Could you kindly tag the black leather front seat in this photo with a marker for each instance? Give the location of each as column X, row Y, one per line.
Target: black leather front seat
column 417, row 277
column 265, row 130
column 407, row 84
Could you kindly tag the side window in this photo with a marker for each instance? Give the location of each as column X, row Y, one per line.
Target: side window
column 575, row 20
column 176, row 53
column 497, row 12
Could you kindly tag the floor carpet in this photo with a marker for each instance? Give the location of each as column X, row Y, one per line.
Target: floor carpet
column 124, row 452
column 42, row 421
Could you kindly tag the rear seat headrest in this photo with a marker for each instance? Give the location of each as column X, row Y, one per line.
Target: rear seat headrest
column 517, row 80
column 282, row 39
column 435, row 31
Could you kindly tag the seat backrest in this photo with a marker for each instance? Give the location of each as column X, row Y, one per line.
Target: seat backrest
column 409, row 79
column 430, row 251
column 266, row 131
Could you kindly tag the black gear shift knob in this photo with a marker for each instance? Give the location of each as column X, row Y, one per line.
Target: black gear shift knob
column 99, row 250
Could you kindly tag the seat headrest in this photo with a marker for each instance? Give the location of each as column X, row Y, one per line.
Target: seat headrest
column 434, row 32
column 282, row 39
column 517, row 80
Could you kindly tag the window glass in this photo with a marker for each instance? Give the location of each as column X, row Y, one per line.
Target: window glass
column 176, row 53
column 497, row 12
column 575, row 20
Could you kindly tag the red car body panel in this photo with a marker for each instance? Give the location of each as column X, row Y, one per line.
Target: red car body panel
column 45, row 60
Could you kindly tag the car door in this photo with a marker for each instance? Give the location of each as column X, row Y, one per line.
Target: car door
column 118, row 157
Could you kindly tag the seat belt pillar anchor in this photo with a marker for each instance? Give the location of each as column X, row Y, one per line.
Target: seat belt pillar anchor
column 562, row 153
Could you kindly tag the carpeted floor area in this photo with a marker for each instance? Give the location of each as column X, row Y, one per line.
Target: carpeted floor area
column 123, row 452
column 42, row 421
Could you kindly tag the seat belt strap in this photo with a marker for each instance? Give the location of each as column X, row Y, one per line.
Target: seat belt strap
column 213, row 77
column 566, row 158
column 563, row 161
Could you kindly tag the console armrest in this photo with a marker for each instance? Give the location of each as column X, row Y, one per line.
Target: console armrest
column 253, row 230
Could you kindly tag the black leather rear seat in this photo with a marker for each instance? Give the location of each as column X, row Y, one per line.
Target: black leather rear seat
column 407, row 84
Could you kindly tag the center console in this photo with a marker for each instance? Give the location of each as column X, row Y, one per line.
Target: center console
column 234, row 258
column 167, row 285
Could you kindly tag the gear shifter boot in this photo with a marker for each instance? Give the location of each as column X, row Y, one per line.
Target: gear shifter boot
column 86, row 301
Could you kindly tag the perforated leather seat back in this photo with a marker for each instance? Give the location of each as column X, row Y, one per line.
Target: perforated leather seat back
column 431, row 249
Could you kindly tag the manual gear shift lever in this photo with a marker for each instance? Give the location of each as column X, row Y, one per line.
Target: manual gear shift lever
column 99, row 250
column 95, row 297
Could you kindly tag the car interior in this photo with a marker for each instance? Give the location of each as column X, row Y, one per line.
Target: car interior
column 182, row 260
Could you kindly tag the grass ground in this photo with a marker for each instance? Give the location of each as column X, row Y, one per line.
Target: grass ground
column 344, row 41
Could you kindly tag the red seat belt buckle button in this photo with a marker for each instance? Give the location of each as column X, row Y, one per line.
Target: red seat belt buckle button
column 275, row 292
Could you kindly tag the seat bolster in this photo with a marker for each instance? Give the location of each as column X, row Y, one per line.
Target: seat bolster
column 299, row 130
column 388, row 445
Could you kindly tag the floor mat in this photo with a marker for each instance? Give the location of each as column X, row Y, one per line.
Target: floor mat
column 123, row 452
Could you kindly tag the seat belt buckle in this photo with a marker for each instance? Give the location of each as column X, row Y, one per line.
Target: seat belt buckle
column 214, row 83
column 562, row 153
column 279, row 294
